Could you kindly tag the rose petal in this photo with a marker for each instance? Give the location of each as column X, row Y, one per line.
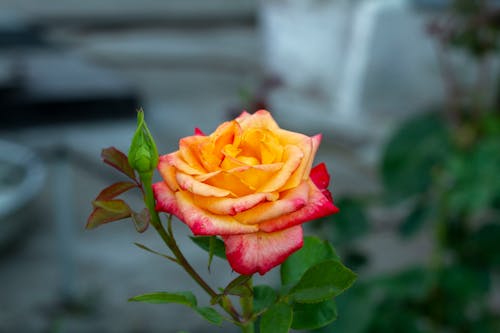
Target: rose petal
column 230, row 206
column 165, row 199
column 320, row 176
column 188, row 151
column 168, row 172
column 318, row 206
column 243, row 116
column 260, row 119
column 202, row 222
column 270, row 149
column 316, row 141
column 254, row 176
column 211, row 148
column 262, row 144
column 292, row 157
column 229, row 182
column 261, row 251
column 207, row 176
column 291, row 201
column 231, row 162
column 188, row 183
column 175, row 159
column 309, row 146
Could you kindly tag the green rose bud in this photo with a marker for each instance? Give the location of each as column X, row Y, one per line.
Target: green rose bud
column 143, row 155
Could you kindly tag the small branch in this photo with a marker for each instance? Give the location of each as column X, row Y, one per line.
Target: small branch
column 247, row 306
column 144, row 247
column 451, row 85
column 169, row 240
column 482, row 84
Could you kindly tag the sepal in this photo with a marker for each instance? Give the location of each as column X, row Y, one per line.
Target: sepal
column 143, row 154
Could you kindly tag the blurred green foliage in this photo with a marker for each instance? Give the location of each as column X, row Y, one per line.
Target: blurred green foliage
column 442, row 168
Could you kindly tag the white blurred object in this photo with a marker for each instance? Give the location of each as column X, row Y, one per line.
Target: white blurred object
column 303, row 41
column 352, row 75
column 321, row 49
column 22, row 176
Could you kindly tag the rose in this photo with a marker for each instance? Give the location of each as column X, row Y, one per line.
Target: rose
column 249, row 182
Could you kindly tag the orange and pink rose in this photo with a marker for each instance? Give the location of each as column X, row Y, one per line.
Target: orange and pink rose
column 250, row 182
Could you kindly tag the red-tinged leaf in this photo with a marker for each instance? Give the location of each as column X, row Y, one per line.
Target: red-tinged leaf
column 107, row 211
column 115, row 190
column 117, row 160
column 101, row 216
column 112, row 206
column 141, row 220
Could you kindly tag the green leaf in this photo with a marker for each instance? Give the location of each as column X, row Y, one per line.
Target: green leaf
column 115, row 190
column 238, row 287
column 313, row 316
column 491, row 125
column 322, row 281
column 415, row 149
column 475, row 181
column 212, row 243
column 117, row 160
column 210, row 314
column 219, row 249
column 242, row 291
column 312, row 252
column 141, row 220
column 396, row 317
column 463, row 284
column 185, row 298
column 107, row 211
column 277, row 319
column 482, row 248
column 263, row 297
column 487, row 323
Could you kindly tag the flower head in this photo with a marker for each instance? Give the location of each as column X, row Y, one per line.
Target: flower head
column 250, row 182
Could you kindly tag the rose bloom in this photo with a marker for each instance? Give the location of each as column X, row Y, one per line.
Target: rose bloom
column 249, row 182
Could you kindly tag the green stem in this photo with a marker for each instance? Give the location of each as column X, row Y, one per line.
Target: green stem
column 440, row 231
column 247, row 307
column 248, row 327
column 149, row 199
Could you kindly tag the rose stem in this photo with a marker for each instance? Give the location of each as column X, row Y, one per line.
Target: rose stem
column 247, row 307
column 172, row 245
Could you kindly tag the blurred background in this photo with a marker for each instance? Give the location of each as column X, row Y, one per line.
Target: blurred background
column 405, row 93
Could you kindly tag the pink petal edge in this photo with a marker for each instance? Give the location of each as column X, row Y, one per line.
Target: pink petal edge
column 319, row 205
column 165, row 199
column 261, row 251
column 202, row 222
column 198, row 220
column 320, row 176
